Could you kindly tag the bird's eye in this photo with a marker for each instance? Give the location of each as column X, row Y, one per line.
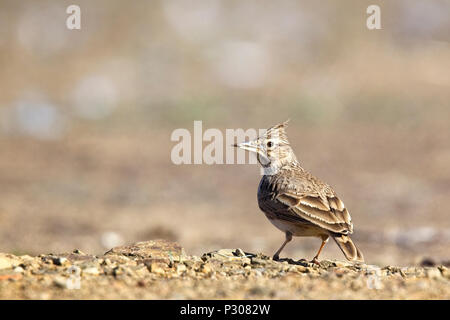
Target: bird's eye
column 269, row 144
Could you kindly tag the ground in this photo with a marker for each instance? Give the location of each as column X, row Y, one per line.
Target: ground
column 162, row 270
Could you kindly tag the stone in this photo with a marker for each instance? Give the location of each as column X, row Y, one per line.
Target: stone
column 227, row 254
column 327, row 264
column 302, row 269
column 141, row 271
column 156, row 268
column 341, row 264
column 117, row 271
column 18, row 270
column 8, row 261
column 92, row 271
column 150, row 251
column 205, row 268
column 26, row 258
column 60, row 282
column 60, row 261
column 181, row 268
column 222, row 254
column 433, row 273
column 106, row 262
column 259, row 261
column 259, row 271
column 445, row 272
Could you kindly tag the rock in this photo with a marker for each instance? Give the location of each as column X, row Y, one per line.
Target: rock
column 227, row 254
column 222, row 254
column 302, row 269
column 60, row 261
column 433, row 273
column 156, row 268
column 191, row 273
column 141, row 271
column 445, row 271
column 18, row 270
column 69, row 258
column 8, row 261
column 341, row 264
column 181, row 268
column 92, row 271
column 106, row 262
column 259, row 261
column 60, row 282
column 205, row 268
column 150, row 251
column 26, row 258
column 391, row 269
column 291, row 269
column 327, row 264
column 189, row 264
column 259, row 272
column 117, row 271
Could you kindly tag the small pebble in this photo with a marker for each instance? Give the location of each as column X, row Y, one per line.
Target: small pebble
column 60, row 261
column 156, row 269
column 91, row 271
column 18, row 270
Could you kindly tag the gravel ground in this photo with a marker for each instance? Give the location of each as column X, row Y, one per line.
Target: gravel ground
column 162, row 270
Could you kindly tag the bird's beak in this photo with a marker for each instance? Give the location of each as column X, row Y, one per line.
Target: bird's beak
column 250, row 146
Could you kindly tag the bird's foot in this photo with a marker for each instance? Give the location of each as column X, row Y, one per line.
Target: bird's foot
column 276, row 257
column 315, row 261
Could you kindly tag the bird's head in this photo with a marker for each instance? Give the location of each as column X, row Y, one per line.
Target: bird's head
column 272, row 148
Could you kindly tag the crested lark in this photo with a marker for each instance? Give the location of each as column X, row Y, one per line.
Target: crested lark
column 294, row 200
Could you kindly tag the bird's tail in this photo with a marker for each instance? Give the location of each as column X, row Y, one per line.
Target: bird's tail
column 347, row 246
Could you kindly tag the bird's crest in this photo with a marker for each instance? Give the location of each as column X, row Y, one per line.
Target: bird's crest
column 278, row 131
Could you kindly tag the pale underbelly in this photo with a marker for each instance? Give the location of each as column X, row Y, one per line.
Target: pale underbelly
column 298, row 229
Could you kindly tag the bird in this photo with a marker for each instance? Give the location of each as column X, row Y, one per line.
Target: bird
column 294, row 200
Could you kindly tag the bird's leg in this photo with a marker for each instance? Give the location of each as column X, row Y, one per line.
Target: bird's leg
column 276, row 256
column 316, row 257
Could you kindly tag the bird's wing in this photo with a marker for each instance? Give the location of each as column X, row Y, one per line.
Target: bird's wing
column 326, row 211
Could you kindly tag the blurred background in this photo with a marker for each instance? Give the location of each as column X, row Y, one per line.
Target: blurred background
column 86, row 117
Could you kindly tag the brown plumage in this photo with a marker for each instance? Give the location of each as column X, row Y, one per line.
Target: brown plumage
column 294, row 200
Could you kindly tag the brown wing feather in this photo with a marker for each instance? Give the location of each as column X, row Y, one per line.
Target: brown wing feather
column 331, row 215
column 314, row 202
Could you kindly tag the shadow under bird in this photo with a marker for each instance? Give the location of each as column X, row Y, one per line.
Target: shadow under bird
column 295, row 201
